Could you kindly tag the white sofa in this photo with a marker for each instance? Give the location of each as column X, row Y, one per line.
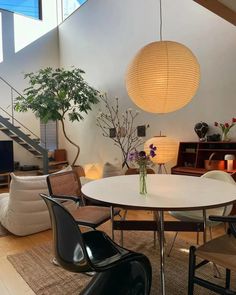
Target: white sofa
column 22, row 210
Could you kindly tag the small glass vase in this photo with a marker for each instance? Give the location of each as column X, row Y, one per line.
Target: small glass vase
column 224, row 136
column 142, row 179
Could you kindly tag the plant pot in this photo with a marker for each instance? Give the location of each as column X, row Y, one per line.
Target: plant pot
column 60, row 155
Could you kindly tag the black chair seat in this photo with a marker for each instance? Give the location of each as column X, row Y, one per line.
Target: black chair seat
column 119, row 271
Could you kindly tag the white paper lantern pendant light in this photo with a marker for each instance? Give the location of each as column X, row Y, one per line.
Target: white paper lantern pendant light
column 163, row 76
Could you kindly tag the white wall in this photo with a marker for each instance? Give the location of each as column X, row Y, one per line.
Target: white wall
column 103, row 36
column 38, row 49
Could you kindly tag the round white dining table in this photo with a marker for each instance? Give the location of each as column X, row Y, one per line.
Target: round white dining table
column 164, row 192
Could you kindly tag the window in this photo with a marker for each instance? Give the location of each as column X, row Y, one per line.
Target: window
column 69, row 6
column 30, row 8
column 48, row 135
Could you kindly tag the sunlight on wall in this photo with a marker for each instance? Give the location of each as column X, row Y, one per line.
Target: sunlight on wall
column 27, row 30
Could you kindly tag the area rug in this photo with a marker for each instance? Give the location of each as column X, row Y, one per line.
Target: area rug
column 44, row 278
column 3, row 231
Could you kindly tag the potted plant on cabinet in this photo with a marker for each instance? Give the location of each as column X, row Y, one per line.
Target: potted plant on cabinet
column 55, row 94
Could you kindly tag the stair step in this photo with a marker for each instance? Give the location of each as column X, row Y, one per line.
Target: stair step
column 3, row 128
column 39, row 156
column 31, row 150
column 22, row 143
column 13, row 136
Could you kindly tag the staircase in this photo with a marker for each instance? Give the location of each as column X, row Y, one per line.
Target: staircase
column 21, row 134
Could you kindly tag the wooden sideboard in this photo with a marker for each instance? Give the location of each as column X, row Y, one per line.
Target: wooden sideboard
column 193, row 157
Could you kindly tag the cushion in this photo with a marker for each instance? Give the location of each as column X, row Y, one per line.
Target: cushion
column 23, row 211
column 112, row 169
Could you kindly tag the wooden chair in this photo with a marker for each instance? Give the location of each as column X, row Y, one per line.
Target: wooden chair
column 220, row 251
column 67, row 186
column 118, row 271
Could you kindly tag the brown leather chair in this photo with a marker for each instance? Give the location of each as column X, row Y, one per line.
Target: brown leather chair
column 221, row 251
column 67, row 186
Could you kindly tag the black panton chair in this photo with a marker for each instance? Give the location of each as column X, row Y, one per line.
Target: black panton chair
column 118, row 270
column 221, row 251
column 67, row 186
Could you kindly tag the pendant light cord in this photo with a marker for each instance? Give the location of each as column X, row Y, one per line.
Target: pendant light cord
column 160, row 1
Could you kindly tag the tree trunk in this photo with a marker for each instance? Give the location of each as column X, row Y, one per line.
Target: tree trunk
column 70, row 141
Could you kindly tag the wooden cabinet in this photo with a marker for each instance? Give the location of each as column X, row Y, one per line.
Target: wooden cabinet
column 196, row 158
column 5, row 179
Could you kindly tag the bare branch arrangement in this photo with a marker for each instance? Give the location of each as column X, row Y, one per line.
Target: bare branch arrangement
column 119, row 127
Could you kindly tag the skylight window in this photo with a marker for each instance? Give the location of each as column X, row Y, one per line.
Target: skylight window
column 69, row 6
column 31, row 8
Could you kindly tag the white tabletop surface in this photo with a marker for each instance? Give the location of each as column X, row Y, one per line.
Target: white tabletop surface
column 165, row 192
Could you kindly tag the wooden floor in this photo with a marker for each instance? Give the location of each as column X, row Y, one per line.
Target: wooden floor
column 11, row 282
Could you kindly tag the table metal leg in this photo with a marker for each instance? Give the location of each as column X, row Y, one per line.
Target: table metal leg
column 162, row 250
column 112, row 223
column 204, row 226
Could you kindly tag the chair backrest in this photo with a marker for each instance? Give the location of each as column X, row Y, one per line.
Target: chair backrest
column 223, row 176
column 131, row 171
column 66, row 184
column 69, row 247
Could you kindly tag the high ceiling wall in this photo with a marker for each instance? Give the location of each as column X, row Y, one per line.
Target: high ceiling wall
column 103, row 36
column 39, row 49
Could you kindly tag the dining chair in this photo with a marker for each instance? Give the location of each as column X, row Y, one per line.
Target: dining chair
column 118, row 271
column 197, row 215
column 66, row 186
column 220, row 251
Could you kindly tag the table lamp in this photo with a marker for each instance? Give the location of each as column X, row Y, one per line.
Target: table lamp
column 230, row 161
column 93, row 171
column 166, row 150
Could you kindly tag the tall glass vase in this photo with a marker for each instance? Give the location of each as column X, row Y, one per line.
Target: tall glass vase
column 142, row 179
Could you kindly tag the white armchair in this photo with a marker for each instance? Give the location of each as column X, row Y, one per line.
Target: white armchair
column 197, row 215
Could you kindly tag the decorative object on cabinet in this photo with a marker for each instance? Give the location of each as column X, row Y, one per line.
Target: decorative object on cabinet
column 225, row 128
column 201, row 129
column 214, row 137
column 192, row 156
column 230, row 161
column 211, row 164
column 163, row 76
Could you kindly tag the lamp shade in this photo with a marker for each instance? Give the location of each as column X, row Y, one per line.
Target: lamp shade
column 166, row 148
column 93, row 171
column 163, row 77
column 229, row 157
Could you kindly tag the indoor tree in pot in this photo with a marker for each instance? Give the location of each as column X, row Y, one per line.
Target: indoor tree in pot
column 54, row 94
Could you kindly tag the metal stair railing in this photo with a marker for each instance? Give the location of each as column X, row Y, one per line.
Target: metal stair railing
column 20, row 133
column 28, row 140
column 13, row 120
